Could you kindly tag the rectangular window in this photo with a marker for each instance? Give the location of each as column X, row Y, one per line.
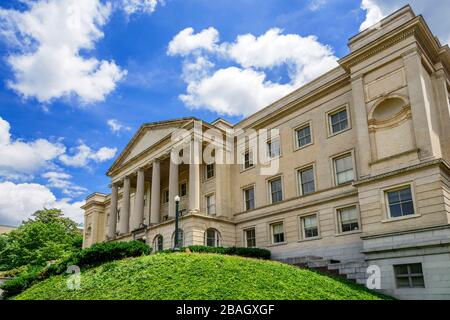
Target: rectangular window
column 400, row 202
column 211, row 204
column 276, row 190
column 249, row 199
column 310, row 227
column 210, row 171
column 183, row 189
column 273, row 148
column 338, row 121
column 409, row 276
column 278, row 233
column 248, row 160
column 344, row 169
column 306, row 179
column 303, row 136
column 348, row 218
column 250, row 238
column 166, row 196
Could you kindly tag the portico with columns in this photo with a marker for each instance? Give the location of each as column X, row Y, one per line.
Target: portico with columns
column 141, row 204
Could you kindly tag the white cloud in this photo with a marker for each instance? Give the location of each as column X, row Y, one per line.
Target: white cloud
column 373, row 14
column 19, row 201
column 49, row 36
column 436, row 13
column 315, row 5
column 60, row 180
column 19, row 159
column 306, row 56
column 186, row 42
column 243, row 87
column 234, row 91
column 143, row 6
column 116, row 126
column 83, row 155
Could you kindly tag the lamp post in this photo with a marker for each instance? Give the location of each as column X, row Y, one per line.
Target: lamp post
column 177, row 213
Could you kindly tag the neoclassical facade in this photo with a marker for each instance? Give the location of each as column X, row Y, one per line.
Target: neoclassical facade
column 359, row 170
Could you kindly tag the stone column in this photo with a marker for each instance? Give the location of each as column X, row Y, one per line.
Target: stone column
column 156, row 193
column 125, row 208
column 194, row 176
column 443, row 103
column 173, row 187
column 139, row 200
column 422, row 107
column 361, row 126
column 112, row 219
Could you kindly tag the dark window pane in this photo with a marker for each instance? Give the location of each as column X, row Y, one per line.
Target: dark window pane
column 308, row 188
column 405, row 194
column 311, row 233
column 407, row 208
column 418, row 282
column 339, row 121
column 403, row 282
column 347, row 227
column 416, row 268
column 401, row 270
column 396, row 211
column 304, row 136
column 393, row 197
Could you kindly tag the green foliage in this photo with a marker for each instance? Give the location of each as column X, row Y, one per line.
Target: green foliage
column 87, row 258
column 13, row 272
column 47, row 236
column 108, row 251
column 21, row 282
column 198, row 276
column 232, row 251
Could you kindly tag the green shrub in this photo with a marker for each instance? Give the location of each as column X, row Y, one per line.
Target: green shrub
column 108, row 251
column 13, row 272
column 21, row 282
column 97, row 254
column 231, row 251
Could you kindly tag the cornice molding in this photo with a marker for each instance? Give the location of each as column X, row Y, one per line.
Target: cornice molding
column 417, row 27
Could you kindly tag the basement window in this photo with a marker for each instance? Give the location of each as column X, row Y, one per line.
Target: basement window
column 409, row 276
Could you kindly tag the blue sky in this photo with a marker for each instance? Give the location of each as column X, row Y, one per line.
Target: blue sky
column 72, row 96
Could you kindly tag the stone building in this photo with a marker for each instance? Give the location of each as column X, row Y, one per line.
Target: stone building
column 6, row 229
column 362, row 179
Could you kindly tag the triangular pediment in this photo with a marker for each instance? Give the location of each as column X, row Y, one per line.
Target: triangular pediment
column 147, row 137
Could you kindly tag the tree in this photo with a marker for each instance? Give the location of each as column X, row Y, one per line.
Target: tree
column 45, row 237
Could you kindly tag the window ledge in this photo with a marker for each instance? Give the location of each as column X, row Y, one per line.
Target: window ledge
column 414, row 216
column 277, row 244
column 297, row 148
column 342, row 234
column 208, row 179
column 247, row 169
column 310, row 239
column 331, row 135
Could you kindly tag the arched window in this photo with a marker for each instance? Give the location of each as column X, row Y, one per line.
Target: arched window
column 180, row 238
column 212, row 238
column 158, row 243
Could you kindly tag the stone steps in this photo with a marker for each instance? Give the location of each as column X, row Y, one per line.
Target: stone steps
column 354, row 271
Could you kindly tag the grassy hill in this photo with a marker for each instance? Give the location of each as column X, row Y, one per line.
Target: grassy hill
column 198, row 276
